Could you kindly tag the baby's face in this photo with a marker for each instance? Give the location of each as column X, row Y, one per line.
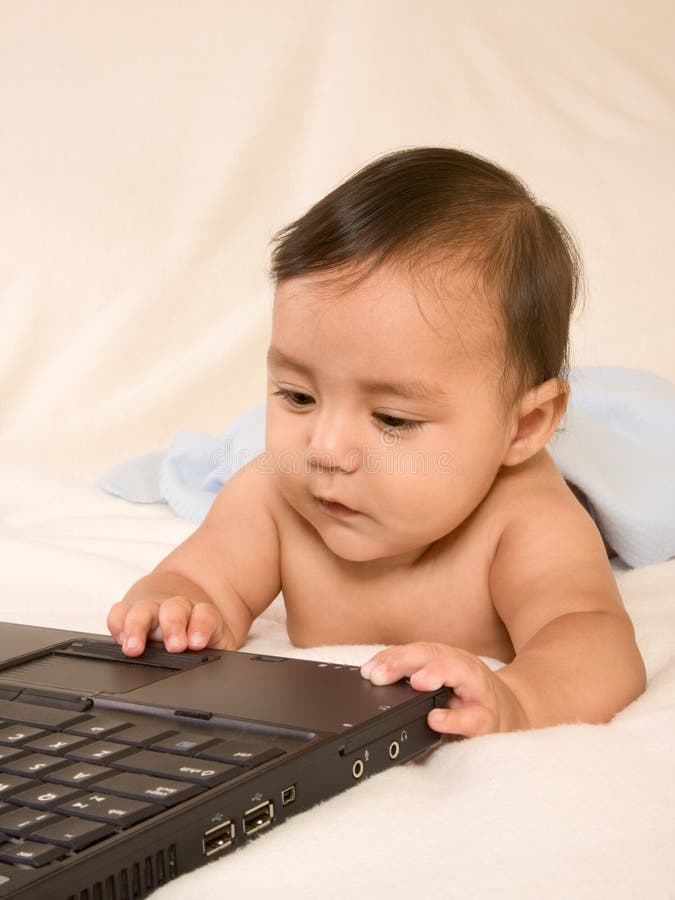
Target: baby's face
column 370, row 406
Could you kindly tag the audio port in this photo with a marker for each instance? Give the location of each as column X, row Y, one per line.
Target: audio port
column 357, row 768
column 394, row 749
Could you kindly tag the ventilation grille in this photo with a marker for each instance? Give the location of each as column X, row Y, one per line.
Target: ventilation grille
column 135, row 881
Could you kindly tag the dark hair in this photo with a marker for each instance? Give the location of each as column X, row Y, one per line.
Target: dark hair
column 409, row 203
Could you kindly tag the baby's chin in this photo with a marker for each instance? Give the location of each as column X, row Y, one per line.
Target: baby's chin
column 355, row 547
column 357, row 539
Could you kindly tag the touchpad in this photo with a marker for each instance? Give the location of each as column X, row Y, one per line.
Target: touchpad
column 101, row 667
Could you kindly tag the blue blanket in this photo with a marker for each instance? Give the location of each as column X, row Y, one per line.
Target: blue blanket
column 617, row 444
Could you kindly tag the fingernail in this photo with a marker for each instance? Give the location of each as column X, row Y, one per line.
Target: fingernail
column 423, row 684
column 173, row 642
column 379, row 674
column 197, row 640
column 120, row 637
column 133, row 642
column 366, row 668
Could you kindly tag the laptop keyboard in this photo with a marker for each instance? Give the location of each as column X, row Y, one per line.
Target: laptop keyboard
column 70, row 779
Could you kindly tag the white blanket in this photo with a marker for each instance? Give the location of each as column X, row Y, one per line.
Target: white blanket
column 575, row 811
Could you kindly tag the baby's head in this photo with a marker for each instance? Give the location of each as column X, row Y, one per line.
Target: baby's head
column 429, row 265
column 448, row 211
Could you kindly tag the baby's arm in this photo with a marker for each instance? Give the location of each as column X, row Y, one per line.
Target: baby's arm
column 208, row 591
column 552, row 584
column 576, row 657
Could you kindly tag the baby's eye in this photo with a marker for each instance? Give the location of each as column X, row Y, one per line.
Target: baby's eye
column 393, row 423
column 295, row 398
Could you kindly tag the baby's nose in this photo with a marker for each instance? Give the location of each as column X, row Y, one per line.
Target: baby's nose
column 333, row 445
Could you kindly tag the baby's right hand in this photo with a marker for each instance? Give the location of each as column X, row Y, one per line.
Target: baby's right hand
column 182, row 624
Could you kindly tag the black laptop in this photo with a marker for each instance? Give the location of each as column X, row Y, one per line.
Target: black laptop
column 118, row 774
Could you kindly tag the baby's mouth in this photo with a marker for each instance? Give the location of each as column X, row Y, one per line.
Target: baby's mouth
column 335, row 507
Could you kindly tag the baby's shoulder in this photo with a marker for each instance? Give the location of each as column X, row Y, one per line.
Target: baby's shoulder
column 526, row 501
column 534, row 509
column 550, row 556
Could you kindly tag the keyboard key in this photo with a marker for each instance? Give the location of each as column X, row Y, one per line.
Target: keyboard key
column 75, row 834
column 240, row 753
column 19, row 734
column 57, row 742
column 31, row 714
column 100, row 751
column 8, row 693
column 120, row 811
column 36, row 764
column 30, row 853
column 163, row 791
column 8, row 753
column 143, row 735
column 183, row 742
column 81, row 773
column 98, row 726
column 180, row 767
column 20, row 822
column 10, row 784
column 44, row 796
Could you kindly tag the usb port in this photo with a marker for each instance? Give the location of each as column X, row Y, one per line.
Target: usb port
column 258, row 817
column 218, row 838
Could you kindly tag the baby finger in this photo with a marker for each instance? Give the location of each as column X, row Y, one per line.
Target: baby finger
column 399, row 661
column 467, row 721
column 206, row 626
column 140, row 619
column 115, row 620
column 174, row 615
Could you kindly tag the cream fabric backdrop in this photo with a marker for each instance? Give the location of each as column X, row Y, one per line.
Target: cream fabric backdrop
column 148, row 151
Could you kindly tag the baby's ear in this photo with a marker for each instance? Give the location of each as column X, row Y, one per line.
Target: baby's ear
column 540, row 410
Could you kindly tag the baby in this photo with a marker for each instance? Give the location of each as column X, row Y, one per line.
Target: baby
column 405, row 497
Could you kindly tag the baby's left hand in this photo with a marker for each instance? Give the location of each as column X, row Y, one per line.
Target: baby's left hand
column 481, row 702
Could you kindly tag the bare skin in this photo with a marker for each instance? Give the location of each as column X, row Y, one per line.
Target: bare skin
column 461, row 538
